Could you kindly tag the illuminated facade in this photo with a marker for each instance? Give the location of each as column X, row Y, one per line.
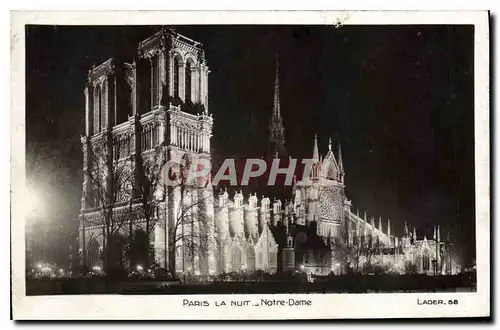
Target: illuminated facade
column 155, row 110
column 139, row 115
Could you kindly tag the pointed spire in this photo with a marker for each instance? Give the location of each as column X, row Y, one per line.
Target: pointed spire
column 389, row 227
column 315, row 156
column 372, row 222
column 380, row 223
column 341, row 163
column 276, row 105
column 330, row 144
column 438, row 236
column 406, row 229
column 364, row 217
column 414, row 233
column 276, row 129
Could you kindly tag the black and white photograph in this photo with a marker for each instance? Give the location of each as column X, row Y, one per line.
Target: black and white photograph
column 252, row 167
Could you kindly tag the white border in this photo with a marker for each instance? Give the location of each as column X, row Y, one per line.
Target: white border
column 323, row 306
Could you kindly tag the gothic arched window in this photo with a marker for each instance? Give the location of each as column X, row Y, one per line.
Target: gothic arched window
column 177, row 67
column 97, row 109
column 103, row 110
column 188, row 82
column 155, row 80
column 426, row 261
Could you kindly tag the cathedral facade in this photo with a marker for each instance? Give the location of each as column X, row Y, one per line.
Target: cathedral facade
column 144, row 116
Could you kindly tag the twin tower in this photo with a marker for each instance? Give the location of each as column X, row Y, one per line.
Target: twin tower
column 140, row 115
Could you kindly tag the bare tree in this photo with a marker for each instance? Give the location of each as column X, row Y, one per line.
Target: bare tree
column 370, row 249
column 358, row 252
column 152, row 191
column 188, row 208
column 108, row 195
column 191, row 230
column 351, row 251
column 342, row 252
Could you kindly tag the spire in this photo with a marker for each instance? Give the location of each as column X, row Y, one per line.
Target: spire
column 276, row 129
column 380, row 224
column 315, row 149
column 330, row 144
column 389, row 227
column 341, row 163
column 438, row 236
column 414, row 233
column 276, row 104
column 372, row 222
column 406, row 229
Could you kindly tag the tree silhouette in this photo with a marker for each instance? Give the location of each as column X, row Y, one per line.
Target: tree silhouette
column 191, row 228
column 110, row 190
column 152, row 192
column 173, row 194
column 358, row 252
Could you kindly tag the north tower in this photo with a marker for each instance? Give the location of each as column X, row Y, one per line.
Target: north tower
column 146, row 122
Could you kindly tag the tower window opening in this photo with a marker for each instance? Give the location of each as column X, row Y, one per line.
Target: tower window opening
column 154, row 80
column 426, row 262
column 103, row 107
column 97, row 109
column 177, row 67
column 188, row 82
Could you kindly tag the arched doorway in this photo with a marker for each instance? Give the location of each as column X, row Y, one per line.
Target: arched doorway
column 93, row 253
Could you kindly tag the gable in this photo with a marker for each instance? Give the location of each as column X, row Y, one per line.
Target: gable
column 265, row 238
column 330, row 168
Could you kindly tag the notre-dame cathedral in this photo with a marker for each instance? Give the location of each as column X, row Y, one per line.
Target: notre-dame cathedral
column 154, row 110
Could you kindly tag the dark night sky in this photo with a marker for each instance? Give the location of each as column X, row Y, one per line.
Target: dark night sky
column 398, row 98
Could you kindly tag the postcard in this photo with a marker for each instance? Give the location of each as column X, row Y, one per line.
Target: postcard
column 250, row 165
